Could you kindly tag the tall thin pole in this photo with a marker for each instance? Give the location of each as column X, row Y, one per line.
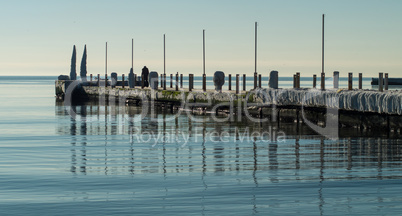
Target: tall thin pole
column 322, row 63
column 203, row 51
column 164, row 55
column 106, row 60
column 132, row 53
column 255, row 49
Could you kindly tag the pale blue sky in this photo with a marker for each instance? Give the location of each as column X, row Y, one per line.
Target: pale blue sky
column 362, row 36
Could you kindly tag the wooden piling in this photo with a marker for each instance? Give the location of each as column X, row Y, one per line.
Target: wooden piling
column 190, row 82
column 122, row 79
column 298, row 80
column 386, row 81
column 98, row 80
column 181, row 80
column 360, row 81
column 380, row 82
column 90, row 80
column 164, row 81
column 244, row 82
column 294, row 80
column 177, row 81
column 350, row 81
column 314, row 81
column 230, row 82
column 237, row 84
column 171, row 80
column 161, row 80
column 336, row 79
column 259, row 80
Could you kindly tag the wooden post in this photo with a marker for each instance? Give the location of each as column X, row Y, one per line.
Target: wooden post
column 294, row 80
column 350, row 81
column 122, row 80
column 190, row 82
column 244, row 82
column 171, row 80
column 204, row 82
column 298, row 80
column 336, row 79
column 322, row 81
column 255, row 80
column 386, row 81
column 314, row 81
column 259, row 80
column 360, row 81
column 380, row 82
column 230, row 82
column 164, row 81
column 177, row 81
column 237, row 84
column 98, row 80
column 161, row 80
column 90, row 80
column 105, row 80
column 181, row 80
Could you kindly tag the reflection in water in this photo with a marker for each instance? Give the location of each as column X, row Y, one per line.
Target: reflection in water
column 158, row 142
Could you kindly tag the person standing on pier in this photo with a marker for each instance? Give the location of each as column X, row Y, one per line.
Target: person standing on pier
column 144, row 75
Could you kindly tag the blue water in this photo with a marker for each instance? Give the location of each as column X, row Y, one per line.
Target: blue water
column 102, row 163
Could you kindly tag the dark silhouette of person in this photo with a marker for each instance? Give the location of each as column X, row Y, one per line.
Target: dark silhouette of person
column 144, row 76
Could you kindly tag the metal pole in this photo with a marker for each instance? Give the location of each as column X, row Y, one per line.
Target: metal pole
column 164, row 63
column 132, row 54
column 322, row 69
column 106, row 60
column 255, row 49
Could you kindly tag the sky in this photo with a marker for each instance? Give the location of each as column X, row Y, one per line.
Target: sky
column 361, row 36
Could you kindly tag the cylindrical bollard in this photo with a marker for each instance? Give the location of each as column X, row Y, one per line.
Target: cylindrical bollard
column 105, row 80
column 298, row 80
column 336, row 79
column 204, row 82
column 237, row 84
column 181, row 80
column 98, row 80
column 259, row 80
column 386, row 81
column 314, row 81
column 230, row 82
column 177, row 81
column 350, row 81
column 322, row 81
column 244, row 82
column 122, row 80
column 380, row 82
column 255, row 80
column 360, row 80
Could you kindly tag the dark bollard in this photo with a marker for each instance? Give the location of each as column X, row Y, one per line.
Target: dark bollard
column 244, row 82
column 322, row 81
column 294, row 80
column 259, row 80
column 90, row 80
column 336, row 79
column 177, row 81
column 190, row 82
column 314, row 81
column 237, row 84
column 171, row 80
column 122, row 80
column 98, row 80
column 105, row 80
column 380, row 82
column 204, row 82
column 181, row 80
column 360, row 80
column 255, row 80
column 386, row 81
column 298, row 80
column 164, row 81
column 230, row 82
column 350, row 81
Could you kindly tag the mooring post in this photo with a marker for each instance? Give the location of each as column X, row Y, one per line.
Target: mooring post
column 190, row 82
column 161, row 80
column 360, row 81
column 386, row 81
column 380, row 82
column 259, row 80
column 181, row 80
column 105, row 80
column 90, row 80
column 350, row 81
column 171, row 80
column 230, row 82
column 164, row 81
column 255, row 80
column 336, row 79
column 294, row 80
column 204, row 82
column 177, row 81
column 244, row 82
column 98, row 80
column 237, row 83
column 298, row 80
column 314, row 81
column 122, row 80
column 322, row 81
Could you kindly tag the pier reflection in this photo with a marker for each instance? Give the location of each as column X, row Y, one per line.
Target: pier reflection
column 120, row 140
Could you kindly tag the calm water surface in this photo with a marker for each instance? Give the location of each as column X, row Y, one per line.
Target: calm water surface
column 110, row 161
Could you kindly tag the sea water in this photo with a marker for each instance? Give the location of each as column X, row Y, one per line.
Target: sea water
column 113, row 160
